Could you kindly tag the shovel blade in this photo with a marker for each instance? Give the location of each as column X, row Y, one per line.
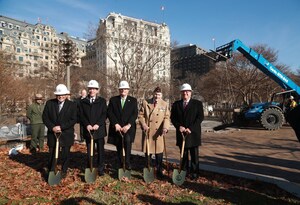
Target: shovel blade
column 90, row 175
column 53, row 178
column 124, row 173
column 178, row 177
column 148, row 174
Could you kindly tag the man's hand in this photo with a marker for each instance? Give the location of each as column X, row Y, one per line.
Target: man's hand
column 126, row 128
column 145, row 127
column 165, row 131
column 118, row 128
column 96, row 127
column 188, row 131
column 56, row 129
column 182, row 129
column 89, row 128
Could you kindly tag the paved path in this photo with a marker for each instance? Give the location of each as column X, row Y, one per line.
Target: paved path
column 272, row 153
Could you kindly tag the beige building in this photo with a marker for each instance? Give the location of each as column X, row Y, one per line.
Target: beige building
column 133, row 49
column 35, row 46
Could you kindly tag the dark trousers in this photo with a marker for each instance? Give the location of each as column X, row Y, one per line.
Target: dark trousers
column 65, row 158
column 100, row 153
column 194, row 153
column 127, row 147
column 158, row 161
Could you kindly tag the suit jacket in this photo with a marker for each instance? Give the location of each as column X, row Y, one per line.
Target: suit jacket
column 66, row 119
column 91, row 114
column 34, row 113
column 117, row 115
column 191, row 117
column 157, row 118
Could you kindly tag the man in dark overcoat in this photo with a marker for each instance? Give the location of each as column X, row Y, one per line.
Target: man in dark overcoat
column 93, row 115
column 187, row 116
column 122, row 114
column 60, row 116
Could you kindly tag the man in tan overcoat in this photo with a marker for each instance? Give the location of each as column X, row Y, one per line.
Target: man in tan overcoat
column 154, row 117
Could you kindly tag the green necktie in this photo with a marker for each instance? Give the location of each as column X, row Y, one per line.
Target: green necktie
column 122, row 102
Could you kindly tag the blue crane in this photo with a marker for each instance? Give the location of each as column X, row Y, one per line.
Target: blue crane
column 270, row 114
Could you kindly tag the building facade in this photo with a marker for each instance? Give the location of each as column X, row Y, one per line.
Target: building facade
column 134, row 50
column 36, row 47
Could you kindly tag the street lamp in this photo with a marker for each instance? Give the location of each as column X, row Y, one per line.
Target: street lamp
column 67, row 56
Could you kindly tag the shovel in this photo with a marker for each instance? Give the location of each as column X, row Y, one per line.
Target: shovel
column 122, row 172
column 148, row 172
column 90, row 173
column 55, row 176
column 179, row 175
column 165, row 148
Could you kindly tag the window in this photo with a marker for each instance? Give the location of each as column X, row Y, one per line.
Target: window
column 10, row 26
column 24, row 42
column 38, row 37
column 21, row 58
column 18, row 50
column 1, row 32
column 46, row 57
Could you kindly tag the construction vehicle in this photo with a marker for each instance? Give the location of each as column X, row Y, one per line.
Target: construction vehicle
column 271, row 114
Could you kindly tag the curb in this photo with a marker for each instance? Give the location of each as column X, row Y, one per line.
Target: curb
column 291, row 187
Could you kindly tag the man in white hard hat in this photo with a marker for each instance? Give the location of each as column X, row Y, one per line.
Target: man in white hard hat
column 60, row 116
column 34, row 114
column 187, row 116
column 154, row 117
column 122, row 113
column 92, row 116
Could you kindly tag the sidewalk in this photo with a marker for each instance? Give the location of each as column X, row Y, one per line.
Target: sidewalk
column 269, row 156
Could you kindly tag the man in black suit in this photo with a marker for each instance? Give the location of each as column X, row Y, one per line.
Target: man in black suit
column 60, row 116
column 122, row 114
column 93, row 115
column 187, row 116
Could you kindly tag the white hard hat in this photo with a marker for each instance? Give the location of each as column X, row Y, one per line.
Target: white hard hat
column 61, row 89
column 123, row 85
column 185, row 86
column 93, row 84
column 292, row 97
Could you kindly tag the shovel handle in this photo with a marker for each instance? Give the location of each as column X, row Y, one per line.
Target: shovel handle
column 123, row 150
column 147, row 149
column 57, row 135
column 183, row 144
column 165, row 148
column 92, row 144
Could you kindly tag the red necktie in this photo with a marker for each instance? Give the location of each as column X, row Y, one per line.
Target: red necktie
column 155, row 102
column 184, row 105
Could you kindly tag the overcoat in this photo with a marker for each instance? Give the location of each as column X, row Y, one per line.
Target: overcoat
column 117, row 115
column 66, row 119
column 191, row 117
column 157, row 118
column 91, row 114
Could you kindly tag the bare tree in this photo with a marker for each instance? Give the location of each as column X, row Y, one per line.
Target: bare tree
column 136, row 57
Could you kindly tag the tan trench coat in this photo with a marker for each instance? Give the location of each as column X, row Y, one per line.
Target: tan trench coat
column 157, row 119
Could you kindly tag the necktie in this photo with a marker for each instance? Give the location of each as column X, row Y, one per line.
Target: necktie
column 155, row 102
column 92, row 100
column 184, row 105
column 60, row 105
column 122, row 102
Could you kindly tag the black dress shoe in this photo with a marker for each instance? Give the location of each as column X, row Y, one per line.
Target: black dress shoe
column 100, row 173
column 33, row 150
column 128, row 167
column 63, row 175
column 160, row 175
column 194, row 176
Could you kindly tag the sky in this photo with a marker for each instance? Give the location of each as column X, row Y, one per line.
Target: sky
column 275, row 23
